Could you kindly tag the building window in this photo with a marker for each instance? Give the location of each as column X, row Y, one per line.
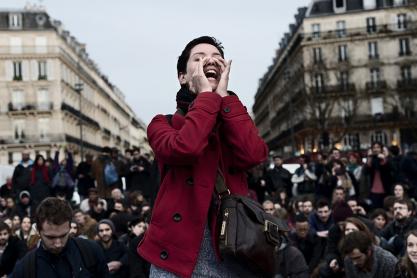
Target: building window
column 316, row 30
column 379, row 136
column 344, row 80
column 340, row 4
column 404, row 47
column 18, row 100
column 318, row 82
column 15, row 20
column 400, row 2
column 317, row 55
column 406, row 74
column 402, row 21
column 371, row 24
column 18, row 128
column 42, row 70
column 352, row 140
column 343, row 53
column 43, row 100
column 17, row 70
column 377, row 106
column 373, row 50
column 341, row 28
column 43, row 127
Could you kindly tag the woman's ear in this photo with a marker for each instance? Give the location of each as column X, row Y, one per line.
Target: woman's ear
column 182, row 79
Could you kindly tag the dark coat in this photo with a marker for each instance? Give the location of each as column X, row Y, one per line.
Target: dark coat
column 312, row 247
column 21, row 178
column 138, row 267
column 368, row 173
column 140, row 180
column 291, row 263
column 214, row 129
column 85, row 181
column 14, row 251
column 49, row 265
column 117, row 252
column 394, row 233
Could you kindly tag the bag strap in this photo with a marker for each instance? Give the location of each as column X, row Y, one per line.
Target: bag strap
column 221, row 187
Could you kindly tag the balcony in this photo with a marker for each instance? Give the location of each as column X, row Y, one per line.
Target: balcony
column 75, row 112
column 407, row 85
column 376, row 86
column 334, row 90
column 30, row 108
column 31, row 139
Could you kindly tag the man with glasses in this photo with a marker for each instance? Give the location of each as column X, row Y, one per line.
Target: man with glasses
column 58, row 255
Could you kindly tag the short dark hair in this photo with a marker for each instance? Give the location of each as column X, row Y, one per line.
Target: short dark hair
column 356, row 240
column 54, row 211
column 322, row 203
column 300, row 218
column 406, row 202
column 185, row 55
column 4, row 226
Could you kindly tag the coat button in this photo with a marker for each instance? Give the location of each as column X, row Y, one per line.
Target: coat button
column 164, row 255
column 177, row 217
column 189, row 181
column 226, row 109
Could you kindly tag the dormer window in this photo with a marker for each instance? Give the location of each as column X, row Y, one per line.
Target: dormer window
column 15, row 21
column 339, row 6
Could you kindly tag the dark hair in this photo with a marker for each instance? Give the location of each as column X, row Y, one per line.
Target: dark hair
column 394, row 150
column 185, row 55
column 300, row 218
column 4, row 226
column 360, row 225
column 54, row 211
column 405, row 263
column 106, row 150
column 405, row 201
column 356, row 240
column 322, row 203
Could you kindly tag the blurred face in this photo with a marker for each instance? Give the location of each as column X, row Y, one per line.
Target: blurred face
column 26, row 224
column 92, row 196
column 352, row 159
column 358, row 258
column 40, row 161
column 118, row 207
column 10, row 202
column 302, row 228
column 307, row 207
column 136, row 155
column 278, row 161
column 336, row 154
column 139, row 228
column 399, row 191
column 105, row 233
column 73, row 230
column 25, row 156
column 4, row 237
column 79, row 218
column 211, row 68
column 54, row 237
column 379, row 222
column 269, row 208
column 323, row 213
column 353, row 205
column 412, row 248
column 376, row 149
column 350, row 227
column 116, row 194
column 339, row 195
column 401, row 212
column 16, row 221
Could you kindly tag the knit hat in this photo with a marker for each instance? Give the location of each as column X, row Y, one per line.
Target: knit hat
column 23, row 194
column 108, row 222
column 341, row 211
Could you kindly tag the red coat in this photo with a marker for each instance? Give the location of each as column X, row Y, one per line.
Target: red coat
column 216, row 133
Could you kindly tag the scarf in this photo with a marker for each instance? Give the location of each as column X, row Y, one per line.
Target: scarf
column 184, row 98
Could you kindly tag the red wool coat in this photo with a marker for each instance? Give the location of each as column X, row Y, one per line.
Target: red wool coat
column 216, row 133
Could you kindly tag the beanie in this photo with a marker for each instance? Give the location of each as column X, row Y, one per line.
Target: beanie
column 341, row 211
column 108, row 222
column 23, row 194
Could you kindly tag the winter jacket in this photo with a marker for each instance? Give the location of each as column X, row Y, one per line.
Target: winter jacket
column 216, row 135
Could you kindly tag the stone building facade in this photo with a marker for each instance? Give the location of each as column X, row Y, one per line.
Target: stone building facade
column 345, row 75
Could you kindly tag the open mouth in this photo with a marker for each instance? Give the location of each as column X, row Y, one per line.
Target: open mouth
column 211, row 73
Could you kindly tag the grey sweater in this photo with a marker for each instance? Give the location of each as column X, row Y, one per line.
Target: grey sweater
column 383, row 265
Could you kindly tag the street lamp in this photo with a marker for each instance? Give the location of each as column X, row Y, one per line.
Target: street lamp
column 78, row 87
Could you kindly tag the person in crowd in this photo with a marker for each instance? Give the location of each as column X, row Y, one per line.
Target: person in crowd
column 380, row 219
column 341, row 177
column 40, row 181
column 58, row 255
column 290, row 262
column 407, row 265
column 97, row 210
column 352, row 224
column 6, row 189
column 135, row 201
column 268, row 206
column 114, row 251
column 16, row 221
column 307, row 206
column 93, row 198
column 87, row 225
column 282, row 198
column 116, row 196
column 257, row 182
column 408, row 170
column 376, row 183
column 28, row 233
column 356, row 207
column 210, row 135
column 323, row 174
column 393, row 234
column 394, row 159
column 22, row 175
column 339, row 194
column 136, row 227
column 11, row 250
column 120, row 217
column 138, row 267
column 84, row 177
column 400, row 190
column 354, row 165
column 63, row 180
column 24, row 205
column 362, row 258
column 121, row 166
column 304, row 177
column 279, row 177
column 139, row 174
column 321, row 220
column 102, row 162
column 310, row 245
column 74, row 230
column 10, row 209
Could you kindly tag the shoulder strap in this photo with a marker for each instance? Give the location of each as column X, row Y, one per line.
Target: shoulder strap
column 88, row 258
column 29, row 265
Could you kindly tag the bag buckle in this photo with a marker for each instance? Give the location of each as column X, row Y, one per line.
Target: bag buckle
column 272, row 233
column 269, row 225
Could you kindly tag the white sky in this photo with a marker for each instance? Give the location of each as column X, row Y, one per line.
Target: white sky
column 136, row 43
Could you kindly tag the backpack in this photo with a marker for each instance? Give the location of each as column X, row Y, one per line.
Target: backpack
column 110, row 173
column 62, row 179
column 87, row 257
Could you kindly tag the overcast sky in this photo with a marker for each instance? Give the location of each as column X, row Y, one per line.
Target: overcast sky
column 136, row 43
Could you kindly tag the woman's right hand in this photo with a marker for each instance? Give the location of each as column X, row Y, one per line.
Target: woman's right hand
column 334, row 265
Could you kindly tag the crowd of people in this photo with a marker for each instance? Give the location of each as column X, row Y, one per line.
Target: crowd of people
column 350, row 215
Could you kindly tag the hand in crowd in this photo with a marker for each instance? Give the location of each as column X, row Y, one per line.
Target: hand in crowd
column 114, row 266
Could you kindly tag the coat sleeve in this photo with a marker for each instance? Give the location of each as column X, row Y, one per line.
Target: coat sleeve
column 184, row 146
column 240, row 134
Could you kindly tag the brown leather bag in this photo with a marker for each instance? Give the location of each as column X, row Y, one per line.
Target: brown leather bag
column 247, row 233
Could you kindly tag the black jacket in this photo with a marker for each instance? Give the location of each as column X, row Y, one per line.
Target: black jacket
column 117, row 252
column 14, row 251
column 67, row 264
